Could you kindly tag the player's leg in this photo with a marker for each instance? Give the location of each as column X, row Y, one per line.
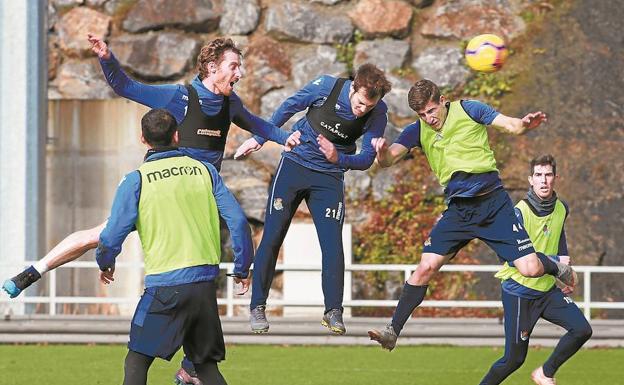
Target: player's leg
column 446, row 239
column 500, row 229
column 520, row 318
column 237, row 224
column 157, row 326
column 69, row 249
column 136, row 366
column 537, row 264
column 562, row 311
column 284, row 198
column 326, row 204
column 203, row 340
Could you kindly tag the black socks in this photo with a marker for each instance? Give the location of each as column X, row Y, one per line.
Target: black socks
column 550, row 267
column 410, row 298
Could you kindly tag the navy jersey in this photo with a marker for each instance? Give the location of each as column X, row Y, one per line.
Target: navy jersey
column 174, row 98
column 308, row 154
column 462, row 184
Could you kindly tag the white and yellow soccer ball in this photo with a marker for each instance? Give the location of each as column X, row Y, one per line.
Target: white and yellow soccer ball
column 486, row 53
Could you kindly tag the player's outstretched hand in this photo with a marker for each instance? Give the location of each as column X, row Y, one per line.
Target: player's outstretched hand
column 533, row 120
column 248, row 146
column 106, row 276
column 293, row 141
column 98, row 46
column 245, row 283
column 328, row 149
column 379, row 144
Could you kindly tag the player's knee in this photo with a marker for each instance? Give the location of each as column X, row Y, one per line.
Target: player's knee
column 583, row 333
column 426, row 269
column 529, row 267
column 515, row 362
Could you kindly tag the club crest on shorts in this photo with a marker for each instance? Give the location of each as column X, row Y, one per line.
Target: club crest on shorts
column 428, row 242
column 277, row 204
column 524, row 335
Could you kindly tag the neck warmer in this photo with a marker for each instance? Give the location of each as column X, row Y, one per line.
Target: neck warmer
column 542, row 207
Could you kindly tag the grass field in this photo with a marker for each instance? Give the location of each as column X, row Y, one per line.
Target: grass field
column 304, row 365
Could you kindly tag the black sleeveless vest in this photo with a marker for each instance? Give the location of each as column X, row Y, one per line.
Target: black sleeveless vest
column 325, row 121
column 199, row 130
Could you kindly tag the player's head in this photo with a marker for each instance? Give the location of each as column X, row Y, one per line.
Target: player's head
column 425, row 98
column 220, row 62
column 158, row 128
column 368, row 87
column 543, row 176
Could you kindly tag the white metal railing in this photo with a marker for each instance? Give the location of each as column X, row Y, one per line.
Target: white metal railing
column 230, row 301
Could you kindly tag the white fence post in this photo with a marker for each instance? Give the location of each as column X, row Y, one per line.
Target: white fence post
column 52, row 291
column 587, row 294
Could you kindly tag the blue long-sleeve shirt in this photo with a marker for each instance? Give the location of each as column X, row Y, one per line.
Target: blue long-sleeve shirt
column 308, row 153
column 462, row 184
column 174, row 98
column 124, row 214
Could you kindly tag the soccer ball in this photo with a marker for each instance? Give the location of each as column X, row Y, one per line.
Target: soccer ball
column 486, row 53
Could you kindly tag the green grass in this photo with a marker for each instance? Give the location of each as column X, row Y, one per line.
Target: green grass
column 304, row 365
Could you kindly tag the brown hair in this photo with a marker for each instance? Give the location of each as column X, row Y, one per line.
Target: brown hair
column 421, row 93
column 213, row 52
column 373, row 80
column 544, row 160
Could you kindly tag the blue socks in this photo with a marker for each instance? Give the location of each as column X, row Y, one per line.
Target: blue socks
column 411, row 297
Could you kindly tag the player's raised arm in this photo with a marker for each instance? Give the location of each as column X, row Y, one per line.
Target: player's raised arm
column 518, row 126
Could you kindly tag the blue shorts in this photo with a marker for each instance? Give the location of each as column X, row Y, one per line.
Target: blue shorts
column 170, row 317
column 490, row 218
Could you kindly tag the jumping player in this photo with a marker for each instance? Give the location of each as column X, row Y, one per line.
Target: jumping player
column 339, row 111
column 454, row 138
column 204, row 111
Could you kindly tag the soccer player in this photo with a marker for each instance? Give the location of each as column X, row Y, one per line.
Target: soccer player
column 525, row 300
column 454, row 138
column 174, row 203
column 204, row 110
column 339, row 111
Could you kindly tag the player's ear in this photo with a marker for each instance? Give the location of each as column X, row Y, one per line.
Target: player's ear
column 174, row 140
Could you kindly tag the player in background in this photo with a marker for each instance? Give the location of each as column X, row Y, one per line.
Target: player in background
column 526, row 300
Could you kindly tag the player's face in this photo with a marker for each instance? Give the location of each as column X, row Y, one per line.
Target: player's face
column 227, row 73
column 434, row 113
column 542, row 181
column 360, row 104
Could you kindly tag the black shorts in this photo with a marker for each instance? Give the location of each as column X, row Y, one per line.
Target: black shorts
column 168, row 317
column 490, row 218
